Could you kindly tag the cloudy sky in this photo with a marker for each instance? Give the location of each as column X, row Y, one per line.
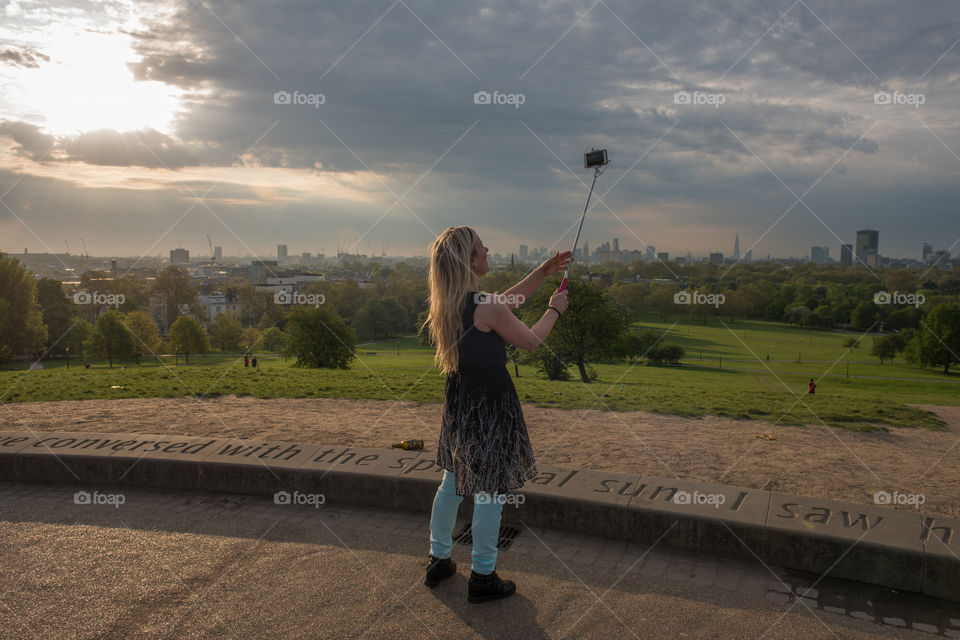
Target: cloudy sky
column 143, row 126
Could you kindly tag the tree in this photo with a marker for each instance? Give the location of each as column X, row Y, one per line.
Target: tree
column 850, row 343
column 146, row 337
column 886, row 347
column 423, row 333
column 797, row 315
column 251, row 339
column 274, row 340
column 58, row 313
column 111, row 338
column 174, row 286
column 226, row 331
column 318, row 338
column 187, row 336
column 630, row 296
column 590, row 329
column 21, row 320
column 864, row 315
column 79, row 336
column 937, row 342
column 380, row 317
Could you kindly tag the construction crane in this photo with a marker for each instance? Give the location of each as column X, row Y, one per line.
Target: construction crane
column 84, row 255
column 210, row 242
column 68, row 246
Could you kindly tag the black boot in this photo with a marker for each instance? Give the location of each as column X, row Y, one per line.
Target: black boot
column 439, row 569
column 488, row 587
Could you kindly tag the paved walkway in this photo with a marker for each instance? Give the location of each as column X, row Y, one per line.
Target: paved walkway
column 184, row 565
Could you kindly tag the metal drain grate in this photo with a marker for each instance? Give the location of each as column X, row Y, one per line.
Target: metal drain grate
column 505, row 537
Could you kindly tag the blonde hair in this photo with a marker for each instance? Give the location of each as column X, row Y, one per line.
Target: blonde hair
column 449, row 279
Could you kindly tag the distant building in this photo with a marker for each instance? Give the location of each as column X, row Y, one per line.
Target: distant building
column 218, row 302
column 846, row 254
column 524, row 251
column 616, row 244
column 305, row 258
column 716, row 258
column 218, row 253
column 651, row 252
column 748, row 256
column 179, row 256
column 281, row 253
column 260, row 269
column 819, row 255
column 868, row 244
column 926, row 252
column 736, row 248
column 663, row 256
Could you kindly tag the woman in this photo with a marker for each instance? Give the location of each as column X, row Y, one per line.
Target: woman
column 484, row 448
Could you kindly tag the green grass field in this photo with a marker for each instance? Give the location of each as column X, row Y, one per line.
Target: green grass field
column 731, row 380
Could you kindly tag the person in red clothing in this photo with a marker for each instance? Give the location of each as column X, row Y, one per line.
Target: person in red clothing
column 811, row 386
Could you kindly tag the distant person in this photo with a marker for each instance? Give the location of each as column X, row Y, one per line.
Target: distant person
column 484, row 447
column 246, row 361
column 811, row 386
column 254, row 362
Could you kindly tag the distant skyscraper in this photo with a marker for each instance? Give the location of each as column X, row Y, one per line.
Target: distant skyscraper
column 586, row 251
column 305, row 258
column 926, row 251
column 819, row 255
column 523, row 252
column 663, row 255
column 218, row 253
column 846, row 254
column 616, row 244
column 868, row 243
column 748, row 256
column 651, row 252
column 281, row 253
column 179, row 256
column 736, row 248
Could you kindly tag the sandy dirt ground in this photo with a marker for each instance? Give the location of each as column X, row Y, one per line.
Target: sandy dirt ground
column 809, row 460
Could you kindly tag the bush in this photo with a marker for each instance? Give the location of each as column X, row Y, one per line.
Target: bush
column 665, row 353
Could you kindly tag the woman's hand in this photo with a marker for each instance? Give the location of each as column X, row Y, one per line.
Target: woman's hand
column 559, row 300
column 557, row 263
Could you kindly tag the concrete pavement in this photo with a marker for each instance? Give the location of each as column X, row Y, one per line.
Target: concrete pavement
column 152, row 563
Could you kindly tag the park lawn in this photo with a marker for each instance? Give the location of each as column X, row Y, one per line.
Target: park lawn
column 746, row 344
column 692, row 389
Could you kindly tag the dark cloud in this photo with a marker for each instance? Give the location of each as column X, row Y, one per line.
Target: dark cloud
column 797, row 78
column 147, row 148
column 27, row 57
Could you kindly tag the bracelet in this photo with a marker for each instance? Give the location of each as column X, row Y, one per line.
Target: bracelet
column 555, row 309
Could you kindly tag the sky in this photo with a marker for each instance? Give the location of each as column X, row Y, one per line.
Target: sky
column 139, row 127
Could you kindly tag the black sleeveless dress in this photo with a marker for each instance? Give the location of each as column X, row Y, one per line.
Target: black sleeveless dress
column 483, row 438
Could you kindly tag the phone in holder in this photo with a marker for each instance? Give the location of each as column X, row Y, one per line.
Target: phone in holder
column 595, row 158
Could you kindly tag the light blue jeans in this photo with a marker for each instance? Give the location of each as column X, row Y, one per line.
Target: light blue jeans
column 485, row 528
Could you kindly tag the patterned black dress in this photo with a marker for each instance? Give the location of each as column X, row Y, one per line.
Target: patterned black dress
column 483, row 438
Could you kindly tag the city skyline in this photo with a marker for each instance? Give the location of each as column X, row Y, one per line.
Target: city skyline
column 819, row 254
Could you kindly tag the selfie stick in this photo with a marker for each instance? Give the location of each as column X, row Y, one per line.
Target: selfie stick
column 563, row 283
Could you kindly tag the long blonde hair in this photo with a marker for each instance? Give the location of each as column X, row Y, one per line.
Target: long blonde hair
column 450, row 279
